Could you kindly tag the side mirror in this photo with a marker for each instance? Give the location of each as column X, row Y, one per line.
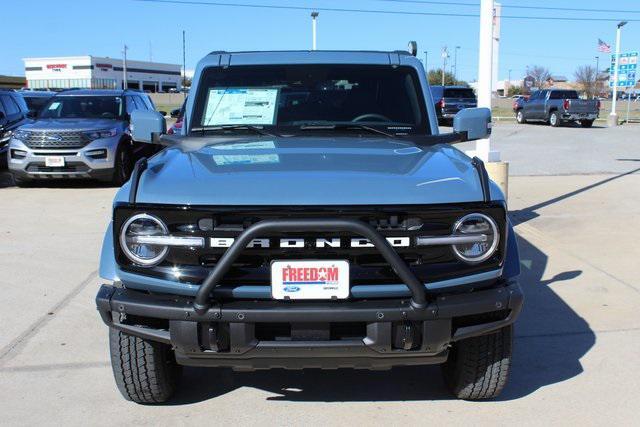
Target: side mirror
column 2, row 116
column 32, row 114
column 175, row 113
column 472, row 123
column 147, row 126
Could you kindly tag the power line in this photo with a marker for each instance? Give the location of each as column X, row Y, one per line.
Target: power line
column 512, row 6
column 377, row 11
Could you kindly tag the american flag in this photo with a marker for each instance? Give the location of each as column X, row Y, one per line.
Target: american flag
column 603, row 47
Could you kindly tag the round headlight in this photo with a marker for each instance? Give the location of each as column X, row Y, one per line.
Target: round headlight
column 483, row 238
column 133, row 243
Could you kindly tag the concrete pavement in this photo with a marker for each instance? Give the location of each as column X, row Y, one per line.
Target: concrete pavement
column 575, row 351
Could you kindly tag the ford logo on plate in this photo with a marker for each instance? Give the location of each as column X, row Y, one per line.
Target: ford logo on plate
column 291, row 288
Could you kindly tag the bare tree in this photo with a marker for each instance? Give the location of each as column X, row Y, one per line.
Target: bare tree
column 541, row 76
column 586, row 77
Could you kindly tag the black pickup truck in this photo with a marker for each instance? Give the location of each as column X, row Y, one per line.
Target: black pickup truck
column 556, row 107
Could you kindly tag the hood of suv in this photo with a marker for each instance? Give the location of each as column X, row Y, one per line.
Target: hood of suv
column 307, row 171
column 71, row 124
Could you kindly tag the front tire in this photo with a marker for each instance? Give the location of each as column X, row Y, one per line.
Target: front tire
column 478, row 367
column 555, row 120
column 145, row 371
column 123, row 165
column 22, row 183
column 520, row 117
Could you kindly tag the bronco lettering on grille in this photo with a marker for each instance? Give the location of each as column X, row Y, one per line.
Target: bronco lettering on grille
column 298, row 243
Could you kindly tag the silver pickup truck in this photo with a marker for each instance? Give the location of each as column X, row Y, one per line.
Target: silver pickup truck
column 556, row 107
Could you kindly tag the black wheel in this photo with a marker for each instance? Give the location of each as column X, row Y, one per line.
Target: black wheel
column 478, row 367
column 145, row 371
column 123, row 165
column 554, row 119
column 520, row 117
column 22, row 183
column 586, row 123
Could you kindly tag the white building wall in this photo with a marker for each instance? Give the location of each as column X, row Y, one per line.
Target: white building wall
column 99, row 73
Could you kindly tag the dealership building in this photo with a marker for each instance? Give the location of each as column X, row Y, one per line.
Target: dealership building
column 93, row 72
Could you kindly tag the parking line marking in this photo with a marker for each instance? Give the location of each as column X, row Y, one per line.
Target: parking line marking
column 12, row 349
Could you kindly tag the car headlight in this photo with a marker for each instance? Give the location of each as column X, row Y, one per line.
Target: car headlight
column 483, row 238
column 105, row 133
column 21, row 134
column 136, row 239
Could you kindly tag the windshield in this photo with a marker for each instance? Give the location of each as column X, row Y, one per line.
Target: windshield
column 295, row 96
column 35, row 103
column 83, row 107
column 459, row 93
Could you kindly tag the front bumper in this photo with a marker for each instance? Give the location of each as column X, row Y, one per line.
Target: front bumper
column 79, row 163
column 395, row 332
column 579, row 116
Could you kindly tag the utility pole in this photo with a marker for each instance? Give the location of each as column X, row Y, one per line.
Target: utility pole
column 455, row 63
column 445, row 55
column 426, row 67
column 184, row 65
column 150, row 52
column 124, row 68
column 314, row 15
column 613, row 117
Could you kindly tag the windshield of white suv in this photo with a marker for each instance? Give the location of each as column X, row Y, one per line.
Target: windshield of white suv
column 83, row 107
column 302, row 97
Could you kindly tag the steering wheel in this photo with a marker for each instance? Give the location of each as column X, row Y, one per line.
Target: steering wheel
column 378, row 117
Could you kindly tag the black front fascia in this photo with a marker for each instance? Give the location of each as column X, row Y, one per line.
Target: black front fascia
column 429, row 263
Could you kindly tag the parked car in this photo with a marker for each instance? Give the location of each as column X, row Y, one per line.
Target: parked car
column 449, row 100
column 36, row 100
column 13, row 114
column 177, row 114
column 80, row 134
column 556, row 107
column 311, row 215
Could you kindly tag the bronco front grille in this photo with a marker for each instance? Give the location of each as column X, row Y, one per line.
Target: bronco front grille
column 366, row 264
column 54, row 139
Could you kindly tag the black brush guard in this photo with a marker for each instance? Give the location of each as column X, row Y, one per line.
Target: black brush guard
column 418, row 294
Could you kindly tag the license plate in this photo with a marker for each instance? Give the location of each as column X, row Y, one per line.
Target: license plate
column 54, row 161
column 310, row 279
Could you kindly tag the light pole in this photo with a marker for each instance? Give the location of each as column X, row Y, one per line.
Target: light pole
column 485, row 75
column 509, row 83
column 426, row 68
column 184, row 66
column 314, row 15
column 124, row 67
column 455, row 63
column 613, row 117
column 445, row 55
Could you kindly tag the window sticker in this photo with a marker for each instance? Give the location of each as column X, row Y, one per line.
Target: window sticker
column 257, row 145
column 241, row 106
column 240, row 159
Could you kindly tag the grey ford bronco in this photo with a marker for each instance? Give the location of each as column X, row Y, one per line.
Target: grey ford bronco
column 309, row 215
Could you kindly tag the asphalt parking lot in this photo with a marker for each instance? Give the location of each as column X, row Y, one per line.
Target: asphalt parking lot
column 574, row 197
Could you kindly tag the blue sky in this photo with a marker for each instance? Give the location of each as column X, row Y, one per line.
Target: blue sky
column 67, row 27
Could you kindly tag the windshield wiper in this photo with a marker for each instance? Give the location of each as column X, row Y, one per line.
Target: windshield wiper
column 252, row 128
column 341, row 126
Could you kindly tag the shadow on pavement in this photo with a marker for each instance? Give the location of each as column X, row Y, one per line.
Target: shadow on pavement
column 6, row 180
column 550, row 340
column 529, row 213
